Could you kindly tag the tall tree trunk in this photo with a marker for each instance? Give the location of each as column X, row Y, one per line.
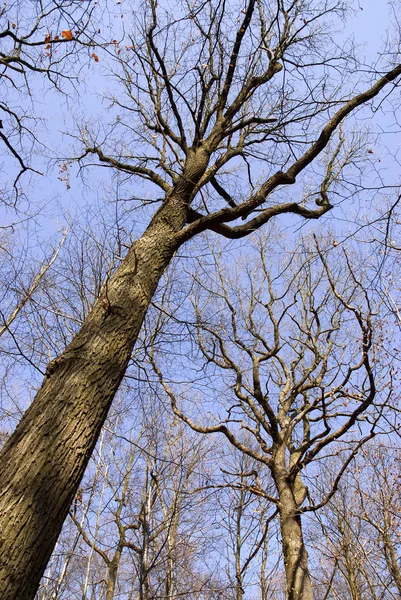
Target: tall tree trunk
column 392, row 559
column 353, row 576
column 298, row 581
column 43, row 462
column 113, row 574
column 264, row 583
column 148, row 495
column 171, row 544
column 351, row 561
column 239, row 590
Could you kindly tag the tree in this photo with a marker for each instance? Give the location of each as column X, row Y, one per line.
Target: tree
column 359, row 528
column 23, row 279
column 26, row 295
column 207, row 90
column 147, row 514
column 290, row 357
column 144, row 525
column 248, row 520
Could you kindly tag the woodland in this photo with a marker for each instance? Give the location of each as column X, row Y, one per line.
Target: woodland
column 200, row 300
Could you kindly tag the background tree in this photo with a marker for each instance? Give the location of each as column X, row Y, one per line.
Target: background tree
column 144, row 520
column 208, row 89
column 357, row 537
column 288, row 356
column 249, row 522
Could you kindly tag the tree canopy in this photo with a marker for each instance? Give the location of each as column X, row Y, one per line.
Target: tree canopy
column 222, row 119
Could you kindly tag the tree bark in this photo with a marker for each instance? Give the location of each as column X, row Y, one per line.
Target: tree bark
column 298, row 581
column 239, row 590
column 43, row 462
column 112, row 574
column 390, row 553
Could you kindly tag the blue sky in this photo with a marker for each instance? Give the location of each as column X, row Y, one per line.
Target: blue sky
column 368, row 26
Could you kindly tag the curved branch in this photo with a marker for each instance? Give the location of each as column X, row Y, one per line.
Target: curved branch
column 127, row 168
column 212, row 221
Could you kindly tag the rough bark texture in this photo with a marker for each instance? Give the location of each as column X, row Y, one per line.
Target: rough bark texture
column 390, row 553
column 239, row 590
column 112, row 574
column 44, row 461
column 298, row 581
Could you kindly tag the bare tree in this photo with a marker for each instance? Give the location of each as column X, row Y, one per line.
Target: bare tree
column 208, row 89
column 291, row 356
column 359, row 528
column 23, row 278
column 340, row 545
column 250, row 525
column 27, row 294
column 141, row 517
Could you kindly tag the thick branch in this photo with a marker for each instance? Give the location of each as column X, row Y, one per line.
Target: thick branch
column 289, row 177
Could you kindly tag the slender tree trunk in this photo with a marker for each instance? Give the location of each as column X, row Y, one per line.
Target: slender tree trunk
column 112, row 574
column 238, row 546
column 352, row 577
column 169, row 586
column 171, row 543
column 144, row 565
column 351, row 562
column 298, row 581
column 390, row 553
column 264, row 584
column 43, row 462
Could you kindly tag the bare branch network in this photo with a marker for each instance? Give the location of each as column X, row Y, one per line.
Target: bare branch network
column 228, row 115
column 235, row 105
